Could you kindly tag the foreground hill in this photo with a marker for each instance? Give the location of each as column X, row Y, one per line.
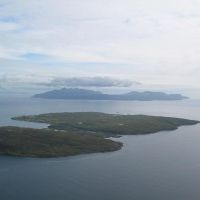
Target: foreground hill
column 108, row 124
column 78, row 133
column 46, row 143
column 75, row 93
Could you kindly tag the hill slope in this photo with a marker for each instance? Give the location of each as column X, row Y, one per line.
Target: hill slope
column 47, row 143
column 108, row 124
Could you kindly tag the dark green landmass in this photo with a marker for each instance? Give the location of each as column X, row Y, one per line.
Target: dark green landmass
column 78, row 133
column 47, row 143
column 108, row 124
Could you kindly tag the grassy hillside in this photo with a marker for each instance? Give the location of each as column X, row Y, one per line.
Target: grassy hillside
column 108, row 124
column 82, row 132
column 46, row 143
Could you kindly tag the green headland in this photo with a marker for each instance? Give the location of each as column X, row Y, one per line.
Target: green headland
column 107, row 124
column 28, row 142
column 79, row 132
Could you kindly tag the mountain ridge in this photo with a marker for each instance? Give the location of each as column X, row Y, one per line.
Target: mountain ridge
column 85, row 94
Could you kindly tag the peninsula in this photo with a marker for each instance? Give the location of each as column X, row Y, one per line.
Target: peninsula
column 107, row 124
column 79, row 133
column 29, row 142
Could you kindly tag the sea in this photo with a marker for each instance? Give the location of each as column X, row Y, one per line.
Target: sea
column 161, row 166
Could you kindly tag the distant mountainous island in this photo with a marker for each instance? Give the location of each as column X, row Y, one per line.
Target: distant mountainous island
column 83, row 94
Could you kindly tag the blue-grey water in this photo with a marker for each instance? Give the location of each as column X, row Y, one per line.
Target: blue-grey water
column 161, row 166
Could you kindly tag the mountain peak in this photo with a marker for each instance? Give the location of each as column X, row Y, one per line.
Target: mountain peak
column 85, row 94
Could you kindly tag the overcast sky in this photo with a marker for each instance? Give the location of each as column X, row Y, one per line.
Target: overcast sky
column 152, row 42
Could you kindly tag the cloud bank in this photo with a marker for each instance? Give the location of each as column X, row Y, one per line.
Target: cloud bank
column 154, row 42
column 47, row 81
column 90, row 82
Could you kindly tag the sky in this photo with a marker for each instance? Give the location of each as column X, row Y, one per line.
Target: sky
column 128, row 44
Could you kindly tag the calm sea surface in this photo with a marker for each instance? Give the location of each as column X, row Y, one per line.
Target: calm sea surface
column 162, row 166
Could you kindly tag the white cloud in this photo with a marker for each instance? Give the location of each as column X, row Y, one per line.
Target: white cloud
column 89, row 82
column 155, row 42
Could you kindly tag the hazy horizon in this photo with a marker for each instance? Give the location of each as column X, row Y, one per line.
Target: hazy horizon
column 133, row 45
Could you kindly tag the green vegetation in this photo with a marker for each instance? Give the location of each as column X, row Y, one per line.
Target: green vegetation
column 77, row 133
column 47, row 143
column 107, row 124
